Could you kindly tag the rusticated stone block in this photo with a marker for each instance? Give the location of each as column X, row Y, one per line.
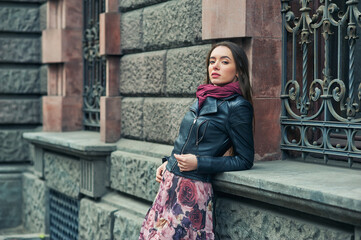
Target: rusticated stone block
column 162, row 118
column 126, row 176
column 43, row 12
column 62, row 174
column 186, row 69
column 24, row 50
column 142, row 73
column 13, row 147
column 95, row 220
column 132, row 118
column 131, row 30
column 43, row 79
column 20, row 111
column 10, row 199
column 126, row 225
column 242, row 220
column 126, row 5
column 32, row 1
column 19, row 19
column 172, row 23
column 35, row 194
column 26, row 80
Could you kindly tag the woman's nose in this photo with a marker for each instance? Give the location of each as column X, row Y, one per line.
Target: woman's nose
column 216, row 65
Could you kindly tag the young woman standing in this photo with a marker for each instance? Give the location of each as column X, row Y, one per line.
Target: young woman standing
column 220, row 120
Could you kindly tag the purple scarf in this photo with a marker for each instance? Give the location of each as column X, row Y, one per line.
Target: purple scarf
column 209, row 90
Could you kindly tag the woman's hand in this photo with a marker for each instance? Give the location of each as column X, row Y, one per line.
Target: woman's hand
column 186, row 162
column 160, row 171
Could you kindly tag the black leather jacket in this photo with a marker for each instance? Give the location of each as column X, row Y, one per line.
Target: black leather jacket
column 210, row 132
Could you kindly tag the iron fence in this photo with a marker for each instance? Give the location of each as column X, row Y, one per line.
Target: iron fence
column 321, row 94
column 94, row 64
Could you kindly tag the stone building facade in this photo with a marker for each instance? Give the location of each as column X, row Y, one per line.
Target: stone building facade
column 76, row 183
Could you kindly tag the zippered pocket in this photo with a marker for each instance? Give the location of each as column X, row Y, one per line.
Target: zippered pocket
column 201, row 131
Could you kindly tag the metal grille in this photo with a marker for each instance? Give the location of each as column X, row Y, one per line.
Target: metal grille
column 321, row 94
column 63, row 217
column 94, row 64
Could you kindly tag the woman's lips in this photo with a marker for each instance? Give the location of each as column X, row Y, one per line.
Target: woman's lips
column 215, row 75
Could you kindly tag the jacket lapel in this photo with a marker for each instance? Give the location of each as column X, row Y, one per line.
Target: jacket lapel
column 209, row 106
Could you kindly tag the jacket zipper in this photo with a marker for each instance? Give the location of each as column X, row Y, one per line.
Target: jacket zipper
column 190, row 130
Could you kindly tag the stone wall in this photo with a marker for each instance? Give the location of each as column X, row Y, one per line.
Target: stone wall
column 162, row 65
column 22, row 83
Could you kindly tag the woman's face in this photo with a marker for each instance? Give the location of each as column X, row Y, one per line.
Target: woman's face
column 222, row 67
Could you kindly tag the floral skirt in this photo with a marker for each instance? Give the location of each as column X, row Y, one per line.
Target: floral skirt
column 182, row 209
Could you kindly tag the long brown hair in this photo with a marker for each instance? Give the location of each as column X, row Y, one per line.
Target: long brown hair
column 241, row 62
column 242, row 69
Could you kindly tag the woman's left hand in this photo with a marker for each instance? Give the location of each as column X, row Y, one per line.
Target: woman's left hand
column 186, row 162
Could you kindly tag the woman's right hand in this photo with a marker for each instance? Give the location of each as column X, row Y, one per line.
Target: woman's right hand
column 160, row 171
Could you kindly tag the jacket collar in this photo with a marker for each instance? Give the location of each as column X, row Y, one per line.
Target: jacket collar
column 209, row 106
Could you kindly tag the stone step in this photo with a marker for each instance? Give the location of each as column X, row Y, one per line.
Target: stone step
column 116, row 213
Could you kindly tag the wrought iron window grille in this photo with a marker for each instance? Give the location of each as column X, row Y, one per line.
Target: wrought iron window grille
column 64, row 215
column 321, row 95
column 94, row 64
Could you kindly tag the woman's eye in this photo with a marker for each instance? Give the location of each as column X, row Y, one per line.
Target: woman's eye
column 211, row 62
column 225, row 62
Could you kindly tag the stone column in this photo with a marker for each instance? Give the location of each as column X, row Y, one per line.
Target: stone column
column 109, row 46
column 62, row 51
column 256, row 25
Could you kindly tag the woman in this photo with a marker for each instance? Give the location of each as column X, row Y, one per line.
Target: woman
column 219, row 120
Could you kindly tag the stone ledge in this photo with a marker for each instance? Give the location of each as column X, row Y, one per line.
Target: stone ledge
column 325, row 191
column 147, row 148
column 83, row 143
column 329, row 192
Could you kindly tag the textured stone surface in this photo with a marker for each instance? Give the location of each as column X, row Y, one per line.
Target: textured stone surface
column 336, row 187
column 186, row 69
column 142, row 73
column 20, row 49
column 131, row 30
column 132, row 118
column 10, row 199
column 145, row 148
column 35, row 202
column 22, row 80
column 95, row 220
column 19, row 19
column 134, row 174
column 84, row 141
column 32, row 1
column 242, row 220
column 43, row 12
column 13, row 148
column 172, row 23
column 125, row 5
column 20, row 111
column 129, row 217
column 62, row 174
column 127, row 225
column 162, row 118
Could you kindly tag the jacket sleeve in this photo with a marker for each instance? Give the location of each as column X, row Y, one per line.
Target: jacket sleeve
column 240, row 132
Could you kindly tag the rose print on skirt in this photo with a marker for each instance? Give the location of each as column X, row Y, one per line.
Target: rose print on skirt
column 182, row 209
